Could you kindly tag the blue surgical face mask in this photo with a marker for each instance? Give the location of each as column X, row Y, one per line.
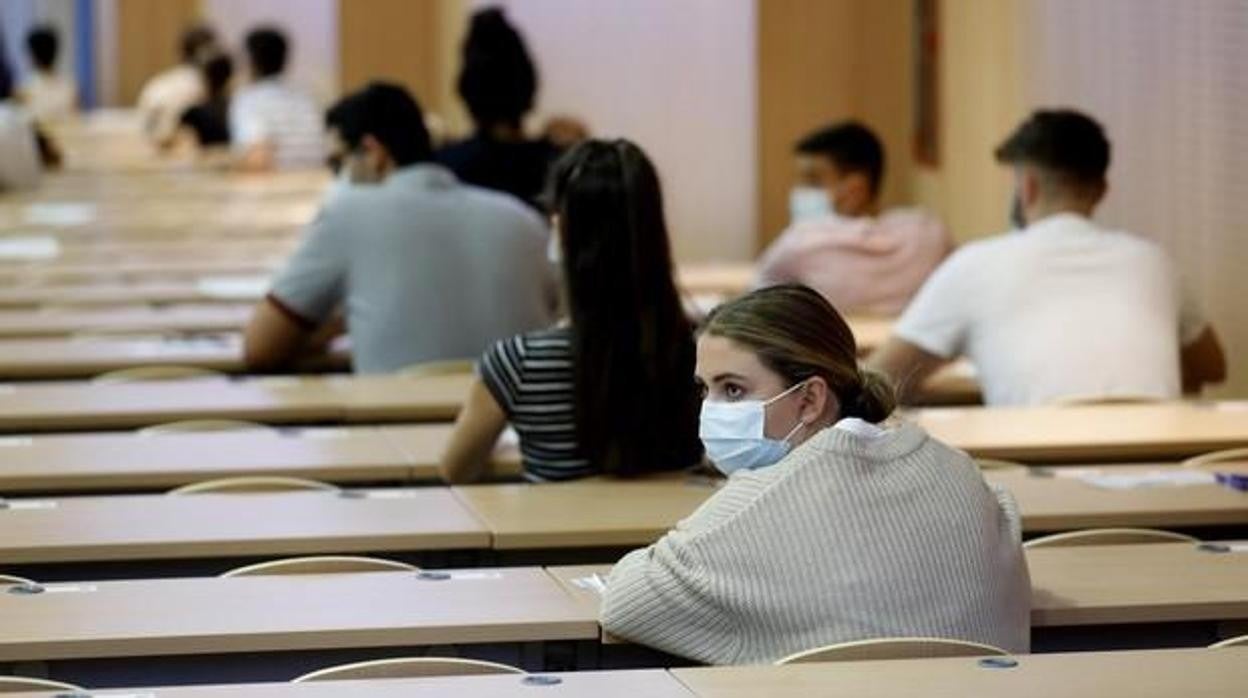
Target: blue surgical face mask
column 806, row 203
column 734, row 434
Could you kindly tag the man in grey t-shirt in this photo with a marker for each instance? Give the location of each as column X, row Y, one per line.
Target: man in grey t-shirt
column 420, row 267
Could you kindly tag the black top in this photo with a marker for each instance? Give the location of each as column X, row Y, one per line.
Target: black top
column 210, row 121
column 518, row 168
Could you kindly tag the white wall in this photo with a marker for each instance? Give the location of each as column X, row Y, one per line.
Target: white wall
column 311, row 25
column 676, row 77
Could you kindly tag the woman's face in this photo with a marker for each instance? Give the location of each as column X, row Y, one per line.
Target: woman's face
column 729, row 372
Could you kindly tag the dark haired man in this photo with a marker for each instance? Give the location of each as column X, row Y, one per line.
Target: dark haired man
column 47, row 95
column 273, row 125
column 424, row 268
column 1065, row 310
column 838, row 243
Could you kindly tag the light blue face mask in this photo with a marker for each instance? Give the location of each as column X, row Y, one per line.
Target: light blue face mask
column 734, row 434
column 806, row 203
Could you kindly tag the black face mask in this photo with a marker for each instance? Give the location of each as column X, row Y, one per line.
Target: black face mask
column 1017, row 221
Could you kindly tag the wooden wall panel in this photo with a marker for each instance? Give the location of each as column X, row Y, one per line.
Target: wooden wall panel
column 147, row 40
column 396, row 40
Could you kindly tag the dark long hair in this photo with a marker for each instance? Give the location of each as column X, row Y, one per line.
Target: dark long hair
column 636, row 401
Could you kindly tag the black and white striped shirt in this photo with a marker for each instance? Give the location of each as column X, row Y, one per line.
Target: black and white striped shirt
column 531, row 377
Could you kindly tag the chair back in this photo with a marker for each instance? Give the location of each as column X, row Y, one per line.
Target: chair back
column 1109, row 536
column 320, row 564
column 253, row 485
column 894, row 648
column 408, row 668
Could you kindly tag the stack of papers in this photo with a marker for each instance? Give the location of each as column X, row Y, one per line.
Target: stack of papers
column 1150, row 478
column 31, row 247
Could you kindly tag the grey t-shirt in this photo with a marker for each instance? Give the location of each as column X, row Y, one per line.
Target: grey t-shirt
column 427, row 268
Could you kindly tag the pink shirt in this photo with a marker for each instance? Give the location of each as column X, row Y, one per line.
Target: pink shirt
column 861, row 265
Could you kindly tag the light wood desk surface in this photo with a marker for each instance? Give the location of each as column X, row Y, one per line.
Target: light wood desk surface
column 122, row 460
column 637, row 683
column 56, row 406
column 68, row 406
column 589, row 513
column 1138, row 674
column 601, row 512
column 152, row 252
column 62, row 322
column 276, row 613
column 1088, row 434
column 1064, row 503
column 1150, row 583
column 132, row 293
column 1092, row 585
column 168, row 527
column 720, row 278
column 86, row 357
column 70, row 274
column 423, row 445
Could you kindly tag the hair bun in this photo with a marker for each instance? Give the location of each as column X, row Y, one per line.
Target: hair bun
column 876, row 398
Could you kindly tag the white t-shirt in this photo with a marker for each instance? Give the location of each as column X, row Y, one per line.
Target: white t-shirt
column 19, row 155
column 165, row 97
column 1060, row 310
column 50, row 97
column 269, row 111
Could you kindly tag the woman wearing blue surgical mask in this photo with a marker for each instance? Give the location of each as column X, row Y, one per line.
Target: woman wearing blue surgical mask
column 836, row 523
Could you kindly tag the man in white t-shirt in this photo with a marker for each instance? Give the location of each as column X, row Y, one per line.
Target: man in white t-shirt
column 1062, row 310
column 168, row 95
column 273, row 125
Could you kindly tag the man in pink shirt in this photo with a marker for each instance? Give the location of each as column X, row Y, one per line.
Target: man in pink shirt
column 838, row 242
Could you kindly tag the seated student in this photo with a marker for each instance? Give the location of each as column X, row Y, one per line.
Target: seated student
column 497, row 83
column 272, row 124
column 48, row 95
column 168, row 95
column 834, row 525
column 1065, row 309
column 423, row 267
column 208, row 120
column 19, row 152
column 611, row 391
column 838, row 243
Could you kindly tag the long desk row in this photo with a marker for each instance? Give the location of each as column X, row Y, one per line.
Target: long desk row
column 585, row 516
column 1078, row 586
column 1218, row 673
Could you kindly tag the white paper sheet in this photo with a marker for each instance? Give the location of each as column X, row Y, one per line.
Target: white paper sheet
column 233, row 287
column 1151, row 478
column 594, row 583
column 61, row 215
column 31, row 247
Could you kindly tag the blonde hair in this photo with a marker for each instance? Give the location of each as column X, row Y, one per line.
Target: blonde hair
column 797, row 334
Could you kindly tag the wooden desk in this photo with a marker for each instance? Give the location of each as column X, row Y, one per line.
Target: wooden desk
column 1138, row 674
column 588, row 513
column 645, row 683
column 1154, row 583
column 166, row 527
column 604, row 513
column 114, row 293
column 69, row 274
column 1092, row 433
column 121, row 461
column 423, row 445
column 1093, row 585
column 283, row 613
column 273, row 400
column 722, row 278
column 60, row 322
column 86, row 357
column 155, row 252
column 77, row 406
column 1067, row 503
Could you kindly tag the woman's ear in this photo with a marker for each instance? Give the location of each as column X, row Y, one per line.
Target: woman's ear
column 818, row 401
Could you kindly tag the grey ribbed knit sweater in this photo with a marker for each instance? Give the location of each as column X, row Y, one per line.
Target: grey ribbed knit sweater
column 849, row 537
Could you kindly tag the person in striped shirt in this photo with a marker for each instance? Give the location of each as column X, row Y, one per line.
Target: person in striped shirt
column 612, row 391
column 273, row 125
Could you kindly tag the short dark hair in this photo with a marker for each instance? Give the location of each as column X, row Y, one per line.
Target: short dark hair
column 851, row 146
column 266, row 48
column 217, row 72
column 1068, row 143
column 497, row 80
column 387, row 112
column 43, row 43
column 193, row 42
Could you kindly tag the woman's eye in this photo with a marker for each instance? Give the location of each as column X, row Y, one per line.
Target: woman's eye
column 733, row 392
